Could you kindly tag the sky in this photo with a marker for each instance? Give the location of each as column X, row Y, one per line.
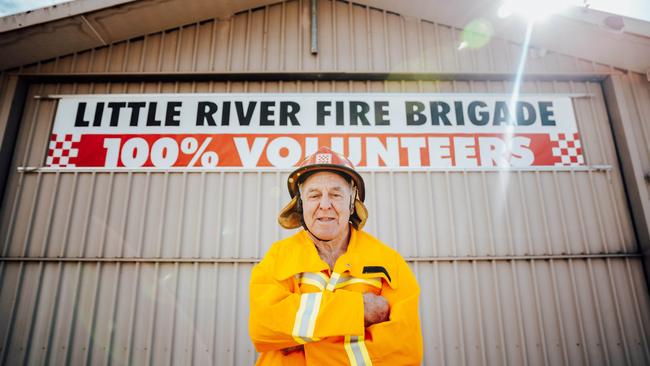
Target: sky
column 639, row 9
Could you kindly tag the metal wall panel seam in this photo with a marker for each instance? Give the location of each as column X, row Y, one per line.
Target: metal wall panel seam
column 450, row 214
column 238, row 227
column 192, row 329
column 413, row 228
column 393, row 205
column 32, row 319
column 352, row 36
column 124, row 216
column 432, row 219
column 50, row 216
column 278, row 206
column 177, row 52
column 637, row 312
column 283, row 16
column 161, row 51
column 265, row 39
column 258, row 215
column 52, row 316
column 30, row 219
column 231, row 22
column 520, row 322
column 439, row 314
column 125, row 57
column 181, row 216
column 420, row 46
column 162, row 215
column 195, row 45
column 73, row 310
column 459, row 315
column 437, row 46
column 405, row 63
column 539, row 315
column 111, row 336
column 143, row 52
column 86, row 220
column 93, row 320
column 599, row 316
column 144, row 204
column 213, row 41
column 470, row 216
column 68, row 216
column 454, row 51
column 109, row 57
column 578, row 311
column 173, row 307
column 370, row 49
column 388, row 63
column 213, row 333
column 479, row 311
column 581, row 221
column 247, row 41
column 149, row 340
column 199, row 221
column 617, row 309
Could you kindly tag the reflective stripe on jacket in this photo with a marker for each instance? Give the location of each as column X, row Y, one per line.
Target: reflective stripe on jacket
column 294, row 300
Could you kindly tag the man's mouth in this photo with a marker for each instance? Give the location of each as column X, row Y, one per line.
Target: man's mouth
column 326, row 219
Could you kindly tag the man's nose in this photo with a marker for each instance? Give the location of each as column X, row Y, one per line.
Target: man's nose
column 325, row 202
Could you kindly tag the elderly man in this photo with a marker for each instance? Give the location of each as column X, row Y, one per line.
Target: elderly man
column 332, row 294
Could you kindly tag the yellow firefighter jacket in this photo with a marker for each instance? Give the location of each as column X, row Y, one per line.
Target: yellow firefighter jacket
column 295, row 300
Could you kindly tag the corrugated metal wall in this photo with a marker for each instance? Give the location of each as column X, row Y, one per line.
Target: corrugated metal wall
column 515, row 267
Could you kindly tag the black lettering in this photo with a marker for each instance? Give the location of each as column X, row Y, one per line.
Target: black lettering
column 474, row 116
column 79, row 119
column 151, row 115
column 321, row 112
column 225, row 114
column 266, row 112
column 439, row 111
column 339, row 114
column 545, row 113
column 525, row 114
column 245, row 118
column 460, row 114
column 381, row 113
column 358, row 111
column 205, row 113
column 288, row 110
column 99, row 112
column 171, row 113
column 414, row 115
column 115, row 112
column 501, row 113
column 135, row 112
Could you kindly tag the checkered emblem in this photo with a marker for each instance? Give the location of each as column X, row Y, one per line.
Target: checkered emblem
column 62, row 148
column 567, row 147
column 324, row 159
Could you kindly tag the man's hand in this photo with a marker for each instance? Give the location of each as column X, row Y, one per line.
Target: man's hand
column 375, row 309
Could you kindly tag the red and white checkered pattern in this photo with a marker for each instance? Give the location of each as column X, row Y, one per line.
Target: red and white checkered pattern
column 568, row 148
column 62, row 148
column 324, row 159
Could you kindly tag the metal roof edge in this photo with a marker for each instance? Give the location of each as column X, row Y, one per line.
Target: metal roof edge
column 55, row 12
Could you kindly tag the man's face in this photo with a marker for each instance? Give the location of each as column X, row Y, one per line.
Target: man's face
column 326, row 205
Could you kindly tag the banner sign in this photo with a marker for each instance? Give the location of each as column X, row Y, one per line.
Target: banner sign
column 450, row 131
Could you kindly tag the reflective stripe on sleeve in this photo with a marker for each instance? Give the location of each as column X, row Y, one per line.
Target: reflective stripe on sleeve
column 303, row 326
column 349, row 280
column 355, row 347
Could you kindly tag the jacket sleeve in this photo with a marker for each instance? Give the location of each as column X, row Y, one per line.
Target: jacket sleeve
column 280, row 318
column 399, row 340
